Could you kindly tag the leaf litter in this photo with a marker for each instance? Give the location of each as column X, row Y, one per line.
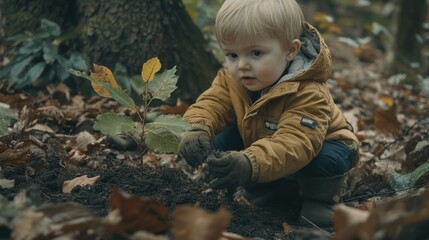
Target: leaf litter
column 52, row 141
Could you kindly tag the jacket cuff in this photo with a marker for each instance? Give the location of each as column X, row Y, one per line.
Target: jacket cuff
column 255, row 166
column 200, row 127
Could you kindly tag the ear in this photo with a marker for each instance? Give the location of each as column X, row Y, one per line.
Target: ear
column 294, row 47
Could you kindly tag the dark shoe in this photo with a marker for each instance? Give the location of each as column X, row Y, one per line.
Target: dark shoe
column 319, row 194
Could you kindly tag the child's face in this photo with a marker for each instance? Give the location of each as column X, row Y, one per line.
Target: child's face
column 256, row 65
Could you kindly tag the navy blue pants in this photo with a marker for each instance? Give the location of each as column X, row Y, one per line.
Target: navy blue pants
column 334, row 158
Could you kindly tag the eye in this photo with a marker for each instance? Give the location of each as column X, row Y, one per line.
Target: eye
column 256, row 53
column 231, row 56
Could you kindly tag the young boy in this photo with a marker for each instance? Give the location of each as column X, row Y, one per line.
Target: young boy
column 270, row 110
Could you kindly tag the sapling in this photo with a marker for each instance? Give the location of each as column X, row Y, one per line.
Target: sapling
column 163, row 133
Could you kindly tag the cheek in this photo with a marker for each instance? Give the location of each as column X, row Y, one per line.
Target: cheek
column 232, row 70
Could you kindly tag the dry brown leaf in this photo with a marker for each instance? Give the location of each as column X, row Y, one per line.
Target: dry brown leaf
column 398, row 218
column 6, row 183
column 55, row 221
column 401, row 218
column 60, row 92
column 387, row 120
column 76, row 158
column 41, row 128
column 179, row 109
column 138, row 213
column 83, row 139
column 79, row 181
column 347, row 221
column 143, row 235
column 193, row 223
column 14, row 157
column 287, row 229
column 231, row 236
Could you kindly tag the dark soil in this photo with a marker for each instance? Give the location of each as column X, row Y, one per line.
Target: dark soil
column 171, row 186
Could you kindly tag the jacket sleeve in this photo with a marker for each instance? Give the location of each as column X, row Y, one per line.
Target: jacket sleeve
column 302, row 128
column 213, row 109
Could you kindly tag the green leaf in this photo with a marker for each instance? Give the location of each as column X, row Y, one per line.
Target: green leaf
column 34, row 72
column 162, row 140
column 20, row 66
column 137, row 84
column 409, row 180
column 61, row 72
column 4, row 124
column 6, row 115
column 164, row 84
column 113, row 124
column 5, row 71
column 19, row 38
column 78, row 61
column 31, row 47
column 175, row 124
column 52, row 28
column 50, row 52
column 116, row 93
column 163, row 134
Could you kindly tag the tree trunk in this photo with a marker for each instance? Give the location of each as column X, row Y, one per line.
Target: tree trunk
column 406, row 50
column 128, row 32
column 17, row 16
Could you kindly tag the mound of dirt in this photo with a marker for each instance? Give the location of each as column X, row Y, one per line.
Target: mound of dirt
column 171, row 186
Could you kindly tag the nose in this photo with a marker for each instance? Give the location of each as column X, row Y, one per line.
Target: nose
column 243, row 64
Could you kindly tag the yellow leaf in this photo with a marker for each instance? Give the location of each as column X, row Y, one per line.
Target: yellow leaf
column 149, row 69
column 103, row 74
column 388, row 100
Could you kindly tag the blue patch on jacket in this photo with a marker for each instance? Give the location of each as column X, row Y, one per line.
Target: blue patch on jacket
column 308, row 122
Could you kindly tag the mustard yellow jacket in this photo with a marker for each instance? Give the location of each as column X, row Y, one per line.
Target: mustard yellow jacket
column 285, row 128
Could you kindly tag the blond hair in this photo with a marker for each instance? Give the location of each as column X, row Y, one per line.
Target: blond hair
column 245, row 20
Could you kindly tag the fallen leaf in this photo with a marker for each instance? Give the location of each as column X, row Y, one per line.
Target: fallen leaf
column 347, row 221
column 231, row 236
column 138, row 213
column 287, row 229
column 6, row 183
column 76, row 158
column 387, row 120
column 60, row 92
column 179, row 109
column 14, row 157
column 398, row 218
column 388, row 100
column 83, row 139
column 61, row 221
column 193, row 223
column 41, row 128
column 79, row 181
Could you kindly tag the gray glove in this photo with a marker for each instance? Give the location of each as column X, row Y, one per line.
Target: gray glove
column 233, row 169
column 194, row 147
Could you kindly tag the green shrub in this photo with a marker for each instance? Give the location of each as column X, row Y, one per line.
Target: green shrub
column 37, row 56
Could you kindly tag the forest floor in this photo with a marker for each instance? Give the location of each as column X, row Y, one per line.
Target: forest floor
column 53, row 142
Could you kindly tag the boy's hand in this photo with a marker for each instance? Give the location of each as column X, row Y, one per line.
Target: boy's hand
column 232, row 169
column 194, row 147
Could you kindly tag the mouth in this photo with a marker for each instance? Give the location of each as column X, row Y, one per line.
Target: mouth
column 247, row 80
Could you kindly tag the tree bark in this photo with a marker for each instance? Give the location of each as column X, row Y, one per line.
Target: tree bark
column 128, row 32
column 17, row 16
column 406, row 47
